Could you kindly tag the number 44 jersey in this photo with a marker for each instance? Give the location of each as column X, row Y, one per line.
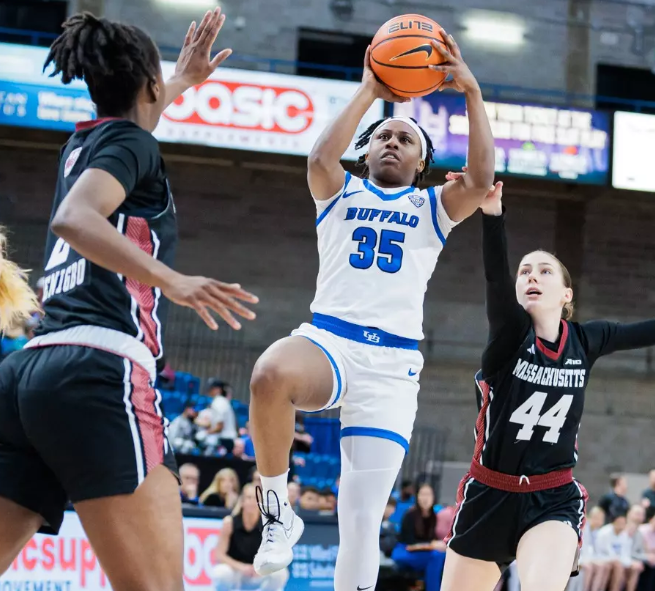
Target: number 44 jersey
column 530, row 410
column 378, row 249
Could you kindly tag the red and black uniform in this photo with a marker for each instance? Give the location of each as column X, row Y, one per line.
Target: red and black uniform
column 79, row 415
column 530, row 395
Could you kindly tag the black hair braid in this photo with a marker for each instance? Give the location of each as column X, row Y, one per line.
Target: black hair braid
column 364, row 139
column 115, row 60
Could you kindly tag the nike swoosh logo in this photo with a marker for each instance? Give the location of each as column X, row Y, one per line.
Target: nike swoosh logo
column 346, row 195
column 412, row 373
column 287, row 532
column 363, row 588
column 427, row 48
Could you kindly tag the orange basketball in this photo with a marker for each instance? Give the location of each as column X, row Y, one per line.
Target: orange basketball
column 401, row 53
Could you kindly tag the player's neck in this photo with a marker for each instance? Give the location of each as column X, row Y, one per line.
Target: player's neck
column 385, row 185
column 547, row 328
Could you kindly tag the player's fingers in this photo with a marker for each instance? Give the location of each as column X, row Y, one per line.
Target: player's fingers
column 447, row 68
column 224, row 313
column 205, row 315
column 189, row 34
column 203, row 25
column 220, row 58
column 235, row 290
column 229, row 302
column 211, row 30
column 455, row 48
column 442, row 50
column 367, row 58
column 448, row 40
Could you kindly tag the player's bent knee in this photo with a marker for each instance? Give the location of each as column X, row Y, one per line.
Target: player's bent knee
column 272, row 379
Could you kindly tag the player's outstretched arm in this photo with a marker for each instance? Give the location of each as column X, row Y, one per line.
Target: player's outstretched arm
column 462, row 198
column 325, row 174
column 82, row 221
column 195, row 63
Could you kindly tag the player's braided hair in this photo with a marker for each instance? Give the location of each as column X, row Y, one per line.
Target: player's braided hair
column 365, row 138
column 115, row 60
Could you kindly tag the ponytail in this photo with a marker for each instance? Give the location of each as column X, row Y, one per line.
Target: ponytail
column 17, row 300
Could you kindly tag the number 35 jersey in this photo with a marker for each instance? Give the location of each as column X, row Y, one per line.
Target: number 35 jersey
column 377, row 250
column 530, row 410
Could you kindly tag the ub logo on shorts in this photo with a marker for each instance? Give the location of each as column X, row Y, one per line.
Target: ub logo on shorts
column 417, row 200
column 371, row 337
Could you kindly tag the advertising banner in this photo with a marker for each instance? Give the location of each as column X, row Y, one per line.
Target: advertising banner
column 241, row 109
column 557, row 143
column 68, row 563
column 634, row 146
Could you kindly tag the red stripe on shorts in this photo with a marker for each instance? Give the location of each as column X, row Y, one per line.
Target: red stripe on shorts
column 138, row 232
column 480, row 423
column 458, row 507
column 150, row 424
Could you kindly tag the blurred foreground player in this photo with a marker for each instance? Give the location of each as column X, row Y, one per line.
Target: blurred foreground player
column 79, row 416
column 379, row 238
column 519, row 499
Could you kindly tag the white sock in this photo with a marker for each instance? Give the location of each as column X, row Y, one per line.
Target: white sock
column 277, row 484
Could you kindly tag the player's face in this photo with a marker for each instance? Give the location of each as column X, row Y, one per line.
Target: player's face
column 540, row 285
column 394, row 156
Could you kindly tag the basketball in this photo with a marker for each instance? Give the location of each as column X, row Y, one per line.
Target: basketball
column 401, row 53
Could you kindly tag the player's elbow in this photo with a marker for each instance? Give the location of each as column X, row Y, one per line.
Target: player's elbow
column 65, row 222
column 318, row 161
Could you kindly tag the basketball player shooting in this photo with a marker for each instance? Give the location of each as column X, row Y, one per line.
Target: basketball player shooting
column 379, row 238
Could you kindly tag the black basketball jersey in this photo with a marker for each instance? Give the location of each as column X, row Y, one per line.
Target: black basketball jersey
column 78, row 292
column 530, row 411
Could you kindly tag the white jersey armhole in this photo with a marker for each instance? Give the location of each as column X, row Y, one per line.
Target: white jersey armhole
column 440, row 218
column 323, row 204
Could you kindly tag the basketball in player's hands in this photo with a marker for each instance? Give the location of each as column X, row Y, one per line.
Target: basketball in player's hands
column 402, row 52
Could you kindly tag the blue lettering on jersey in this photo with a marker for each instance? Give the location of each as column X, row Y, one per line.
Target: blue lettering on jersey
column 390, row 217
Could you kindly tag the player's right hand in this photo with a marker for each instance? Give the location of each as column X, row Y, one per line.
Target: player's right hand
column 203, row 294
column 381, row 91
column 493, row 202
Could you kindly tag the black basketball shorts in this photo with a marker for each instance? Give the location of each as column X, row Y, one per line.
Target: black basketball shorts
column 76, row 423
column 489, row 523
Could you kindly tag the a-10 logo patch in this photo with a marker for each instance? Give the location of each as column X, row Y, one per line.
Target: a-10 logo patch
column 410, row 25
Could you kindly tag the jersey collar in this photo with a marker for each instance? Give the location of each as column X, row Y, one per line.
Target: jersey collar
column 397, row 194
column 555, row 355
column 84, row 125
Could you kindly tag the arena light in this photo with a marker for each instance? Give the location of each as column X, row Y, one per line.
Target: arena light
column 208, row 4
column 484, row 29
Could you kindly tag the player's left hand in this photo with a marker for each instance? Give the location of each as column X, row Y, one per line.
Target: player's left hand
column 195, row 63
column 461, row 77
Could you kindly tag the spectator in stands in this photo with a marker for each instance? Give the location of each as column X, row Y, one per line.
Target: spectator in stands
column 596, row 570
column 327, row 502
column 241, row 535
column 445, row 519
column 647, row 531
column 223, row 491
column 222, row 429
column 293, row 491
column 182, row 430
column 388, row 530
column 190, row 479
column 302, row 441
column 309, row 499
column 648, row 496
column 238, row 449
column 418, row 547
column 249, row 447
column 614, row 545
column 406, row 500
column 614, row 502
column 254, row 477
column 636, row 517
column 14, row 338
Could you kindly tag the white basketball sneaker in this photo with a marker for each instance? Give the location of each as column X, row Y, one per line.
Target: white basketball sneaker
column 282, row 530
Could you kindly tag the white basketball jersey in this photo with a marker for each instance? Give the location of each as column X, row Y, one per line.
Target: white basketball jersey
column 378, row 249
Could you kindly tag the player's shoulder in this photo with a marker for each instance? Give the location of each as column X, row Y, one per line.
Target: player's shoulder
column 126, row 133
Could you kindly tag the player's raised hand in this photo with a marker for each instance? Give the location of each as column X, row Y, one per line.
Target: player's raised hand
column 461, row 77
column 370, row 80
column 195, row 63
column 493, row 202
column 203, row 294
